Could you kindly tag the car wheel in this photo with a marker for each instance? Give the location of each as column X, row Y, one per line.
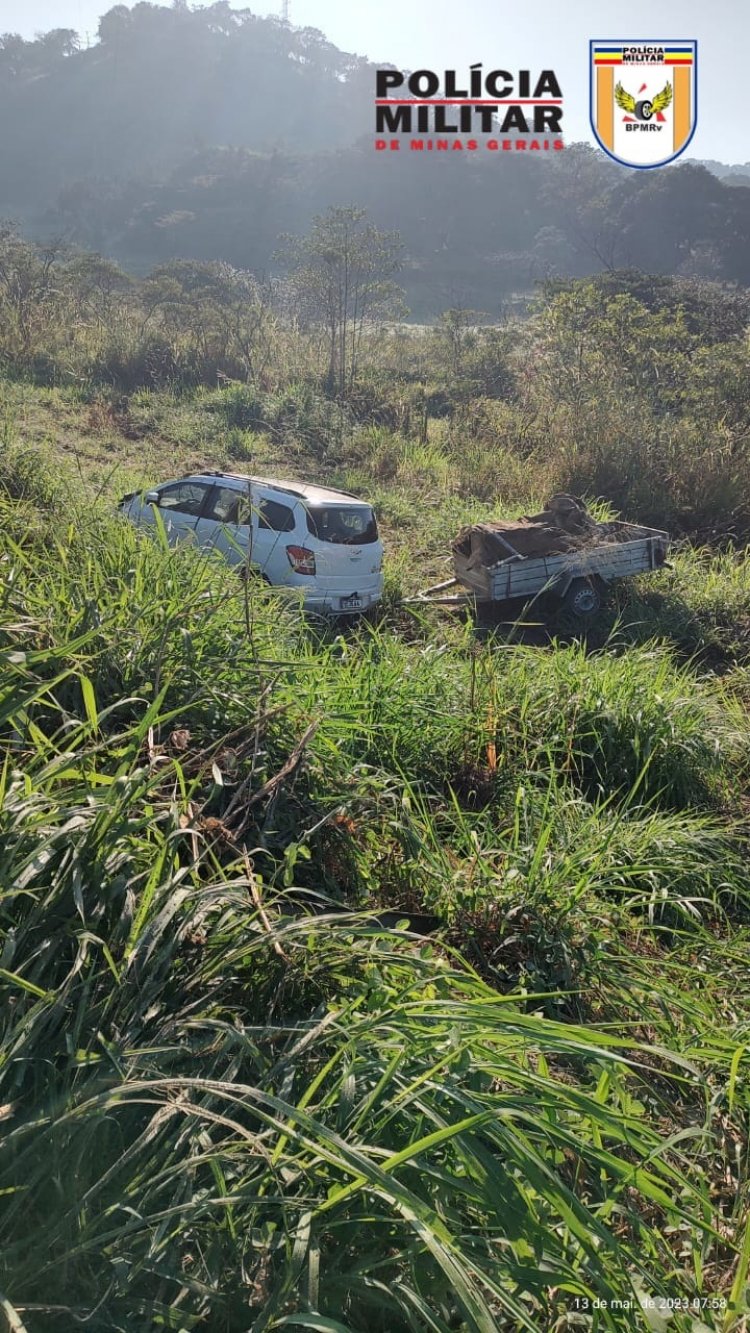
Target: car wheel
column 248, row 574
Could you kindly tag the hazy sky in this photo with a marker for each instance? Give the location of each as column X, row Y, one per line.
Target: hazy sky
column 440, row 34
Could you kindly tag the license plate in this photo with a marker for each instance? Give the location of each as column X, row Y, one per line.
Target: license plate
column 350, row 603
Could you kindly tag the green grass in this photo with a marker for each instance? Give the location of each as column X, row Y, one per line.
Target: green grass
column 236, row 1092
column 232, row 1097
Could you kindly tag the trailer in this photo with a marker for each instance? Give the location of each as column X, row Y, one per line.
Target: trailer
column 576, row 577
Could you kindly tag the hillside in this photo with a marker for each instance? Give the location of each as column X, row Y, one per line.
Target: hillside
column 205, row 133
column 160, row 82
column 737, row 173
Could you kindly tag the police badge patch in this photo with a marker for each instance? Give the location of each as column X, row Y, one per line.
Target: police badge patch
column 643, row 99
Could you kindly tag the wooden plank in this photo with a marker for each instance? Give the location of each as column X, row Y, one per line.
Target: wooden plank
column 458, row 599
column 437, row 587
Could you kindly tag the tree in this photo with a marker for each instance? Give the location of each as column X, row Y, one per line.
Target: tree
column 577, row 198
column 664, row 218
column 57, row 44
column 341, row 275
column 14, row 54
column 455, row 330
column 30, row 292
column 223, row 312
column 96, row 287
column 114, row 25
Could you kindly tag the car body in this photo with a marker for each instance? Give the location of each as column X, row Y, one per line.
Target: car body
column 321, row 541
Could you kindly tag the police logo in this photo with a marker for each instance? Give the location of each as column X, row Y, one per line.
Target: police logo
column 643, row 99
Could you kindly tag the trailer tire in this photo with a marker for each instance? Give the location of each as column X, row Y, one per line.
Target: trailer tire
column 583, row 598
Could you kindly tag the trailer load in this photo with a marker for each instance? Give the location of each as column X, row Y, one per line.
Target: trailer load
column 562, row 550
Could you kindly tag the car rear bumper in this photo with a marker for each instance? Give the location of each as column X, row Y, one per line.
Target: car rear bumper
column 340, row 604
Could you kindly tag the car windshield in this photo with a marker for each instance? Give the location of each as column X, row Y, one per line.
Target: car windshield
column 350, row 525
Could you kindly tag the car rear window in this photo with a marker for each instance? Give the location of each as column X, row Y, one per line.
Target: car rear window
column 349, row 525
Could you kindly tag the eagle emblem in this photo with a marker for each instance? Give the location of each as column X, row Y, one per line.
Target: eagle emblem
column 643, row 110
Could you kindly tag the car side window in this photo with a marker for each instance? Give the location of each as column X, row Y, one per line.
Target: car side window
column 276, row 516
column 184, row 497
column 227, row 505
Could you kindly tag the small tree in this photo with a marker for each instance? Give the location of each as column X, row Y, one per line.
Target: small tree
column 456, row 330
column 31, row 292
column 342, row 275
column 96, row 288
column 223, row 312
column 57, row 44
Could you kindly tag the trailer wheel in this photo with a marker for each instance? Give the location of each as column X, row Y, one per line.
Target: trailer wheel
column 583, row 598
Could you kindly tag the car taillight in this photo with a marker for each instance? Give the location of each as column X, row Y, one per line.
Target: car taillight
column 301, row 560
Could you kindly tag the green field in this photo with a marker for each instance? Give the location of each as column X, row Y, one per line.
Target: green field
column 236, row 1092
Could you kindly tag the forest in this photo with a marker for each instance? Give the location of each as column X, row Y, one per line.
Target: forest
column 203, row 133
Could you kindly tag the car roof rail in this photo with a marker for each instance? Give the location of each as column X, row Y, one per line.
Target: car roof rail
column 220, row 472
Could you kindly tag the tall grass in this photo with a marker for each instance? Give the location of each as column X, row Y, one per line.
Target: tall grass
column 219, row 1107
column 230, row 1102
